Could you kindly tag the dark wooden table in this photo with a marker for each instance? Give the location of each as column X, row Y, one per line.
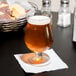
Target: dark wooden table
column 12, row 43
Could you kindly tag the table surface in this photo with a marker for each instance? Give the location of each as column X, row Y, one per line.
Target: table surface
column 12, row 43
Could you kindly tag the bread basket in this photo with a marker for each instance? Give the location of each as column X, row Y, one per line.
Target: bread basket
column 13, row 25
column 18, row 24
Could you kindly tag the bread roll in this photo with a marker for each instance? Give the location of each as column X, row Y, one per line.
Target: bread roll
column 11, row 12
column 4, row 7
column 17, row 10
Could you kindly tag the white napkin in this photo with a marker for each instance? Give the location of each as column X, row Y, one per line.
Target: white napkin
column 55, row 63
column 23, row 3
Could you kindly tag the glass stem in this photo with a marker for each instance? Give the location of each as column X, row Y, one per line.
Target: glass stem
column 38, row 54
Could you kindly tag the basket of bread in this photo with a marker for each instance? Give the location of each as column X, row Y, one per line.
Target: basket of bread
column 13, row 15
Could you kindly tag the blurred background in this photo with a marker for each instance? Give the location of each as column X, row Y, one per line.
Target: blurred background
column 55, row 4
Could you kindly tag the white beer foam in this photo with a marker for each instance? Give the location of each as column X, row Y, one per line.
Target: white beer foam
column 39, row 20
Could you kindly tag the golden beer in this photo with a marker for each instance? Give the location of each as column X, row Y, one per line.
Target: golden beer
column 38, row 35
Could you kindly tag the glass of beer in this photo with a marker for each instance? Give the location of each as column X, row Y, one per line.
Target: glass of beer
column 38, row 38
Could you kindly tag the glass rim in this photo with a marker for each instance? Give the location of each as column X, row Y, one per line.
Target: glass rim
column 39, row 20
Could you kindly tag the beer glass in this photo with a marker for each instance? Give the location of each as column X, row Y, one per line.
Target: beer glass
column 38, row 38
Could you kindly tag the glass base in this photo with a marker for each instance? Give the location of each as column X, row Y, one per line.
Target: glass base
column 35, row 60
column 39, row 59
